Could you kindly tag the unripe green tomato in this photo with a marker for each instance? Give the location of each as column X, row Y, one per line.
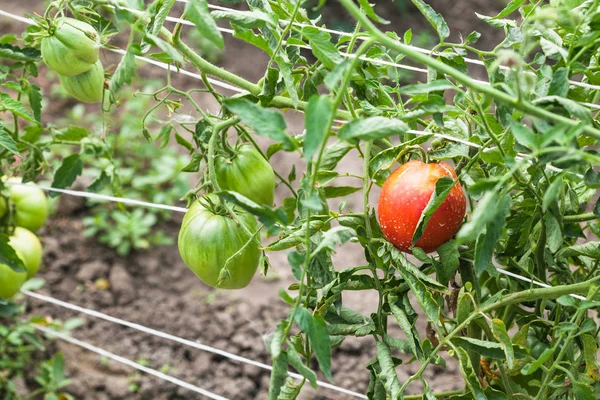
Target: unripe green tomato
column 31, row 206
column 10, row 281
column 27, row 244
column 73, row 47
column 535, row 345
column 247, row 173
column 208, row 239
column 87, row 87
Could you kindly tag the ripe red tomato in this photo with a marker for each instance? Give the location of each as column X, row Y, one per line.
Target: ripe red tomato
column 405, row 195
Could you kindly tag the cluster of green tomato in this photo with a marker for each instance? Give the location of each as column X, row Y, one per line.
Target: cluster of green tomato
column 28, row 209
column 212, row 242
column 72, row 50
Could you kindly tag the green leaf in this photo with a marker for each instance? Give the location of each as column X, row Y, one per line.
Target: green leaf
column 449, row 256
column 589, row 249
column 334, row 237
column 269, row 86
column 35, row 101
column 500, row 333
column 278, row 375
column 483, row 213
column 487, row 242
column 322, row 48
column 590, row 354
column 124, row 72
column 296, row 362
column 409, row 329
column 339, row 191
column 443, row 186
column 334, row 153
column 552, row 192
column 388, row 374
column 72, row 133
column 364, row 4
column 316, row 329
column 436, row 20
column 8, row 256
column 530, row 368
column 266, row 215
column 66, row 174
column 15, row 107
column 319, row 112
column 100, row 182
column 285, row 68
column 267, row 123
column 164, row 46
column 582, row 391
column 7, row 142
column 420, row 88
column 295, row 237
column 27, row 54
column 248, row 19
column 383, row 161
column 372, row 128
column 277, row 339
column 509, row 9
column 468, row 372
column 197, row 12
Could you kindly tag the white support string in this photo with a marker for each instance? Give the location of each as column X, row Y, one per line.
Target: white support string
column 528, row 280
column 128, row 362
column 97, row 196
column 173, row 338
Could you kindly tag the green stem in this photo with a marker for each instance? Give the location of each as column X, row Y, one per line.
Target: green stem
column 438, row 395
column 460, row 77
column 581, row 217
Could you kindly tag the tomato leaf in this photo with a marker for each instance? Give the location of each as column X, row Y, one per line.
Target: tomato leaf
column 589, row 249
column 197, row 12
column 372, row 128
column 407, row 325
column 8, row 256
column 69, row 170
column 322, row 48
column 278, row 375
column 267, row 123
column 7, row 141
column 248, row 19
column 316, row 329
column 469, row 374
column 388, row 374
column 436, row 20
column 530, row 368
column 318, row 115
column 443, row 186
column 500, row 333
column 124, row 72
column 296, row 362
column 509, row 9
column 449, row 256
column 487, row 241
column 266, row 215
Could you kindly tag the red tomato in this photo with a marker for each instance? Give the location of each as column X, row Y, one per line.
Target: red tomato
column 405, row 195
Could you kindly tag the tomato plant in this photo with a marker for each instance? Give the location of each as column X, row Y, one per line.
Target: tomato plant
column 523, row 145
column 29, row 248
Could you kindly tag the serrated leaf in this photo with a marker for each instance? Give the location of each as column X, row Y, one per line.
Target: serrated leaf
column 35, row 101
column 589, row 249
column 124, row 72
column 27, row 54
column 197, row 12
column 420, row 88
column 316, row 329
column 100, row 182
column 436, row 20
column 296, row 362
column 487, row 242
column 449, row 256
column 318, row 114
column 509, row 9
column 278, row 375
column 65, row 175
column 443, row 186
column 322, row 48
column 248, row 19
column 500, row 333
column 468, row 372
column 164, row 46
column 334, row 237
column 17, row 108
column 372, row 128
column 7, row 141
column 388, row 374
column 8, row 256
column 267, row 123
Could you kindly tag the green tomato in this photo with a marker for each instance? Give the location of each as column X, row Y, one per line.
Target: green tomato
column 535, row 345
column 207, row 239
column 247, row 173
column 11, row 281
column 31, row 206
column 27, row 244
column 87, row 87
column 72, row 48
